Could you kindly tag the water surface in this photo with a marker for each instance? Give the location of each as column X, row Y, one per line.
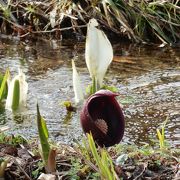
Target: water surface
column 147, row 78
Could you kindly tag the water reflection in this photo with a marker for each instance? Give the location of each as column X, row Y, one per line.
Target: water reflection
column 146, row 77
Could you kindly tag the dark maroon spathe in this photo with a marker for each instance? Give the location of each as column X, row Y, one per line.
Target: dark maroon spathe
column 102, row 116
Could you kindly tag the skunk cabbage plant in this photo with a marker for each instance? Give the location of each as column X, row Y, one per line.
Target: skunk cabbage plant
column 17, row 92
column 98, row 53
column 77, row 85
column 102, row 116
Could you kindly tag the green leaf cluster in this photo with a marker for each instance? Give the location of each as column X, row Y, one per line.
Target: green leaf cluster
column 98, row 159
column 12, row 139
column 91, row 89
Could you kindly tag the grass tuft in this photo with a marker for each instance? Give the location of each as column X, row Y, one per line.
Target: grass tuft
column 140, row 21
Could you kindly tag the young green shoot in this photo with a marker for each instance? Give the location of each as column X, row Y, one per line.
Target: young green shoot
column 3, row 85
column 161, row 135
column 102, row 160
column 48, row 154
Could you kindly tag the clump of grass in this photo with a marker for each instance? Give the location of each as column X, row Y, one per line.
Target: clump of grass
column 145, row 20
column 97, row 158
column 88, row 161
column 12, row 139
column 103, row 160
column 140, row 21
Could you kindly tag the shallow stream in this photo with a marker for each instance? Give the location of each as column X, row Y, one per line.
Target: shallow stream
column 147, row 77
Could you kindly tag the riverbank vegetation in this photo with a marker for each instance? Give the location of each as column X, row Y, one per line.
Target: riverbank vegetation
column 139, row 21
column 22, row 159
column 40, row 158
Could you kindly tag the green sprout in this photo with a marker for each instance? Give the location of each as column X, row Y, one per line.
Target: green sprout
column 47, row 153
column 97, row 159
column 161, row 135
column 3, row 85
column 103, row 160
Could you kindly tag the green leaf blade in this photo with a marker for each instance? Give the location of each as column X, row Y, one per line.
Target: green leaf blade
column 43, row 136
column 3, row 87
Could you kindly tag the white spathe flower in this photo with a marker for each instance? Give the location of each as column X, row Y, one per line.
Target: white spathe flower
column 17, row 100
column 98, row 53
column 77, row 85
